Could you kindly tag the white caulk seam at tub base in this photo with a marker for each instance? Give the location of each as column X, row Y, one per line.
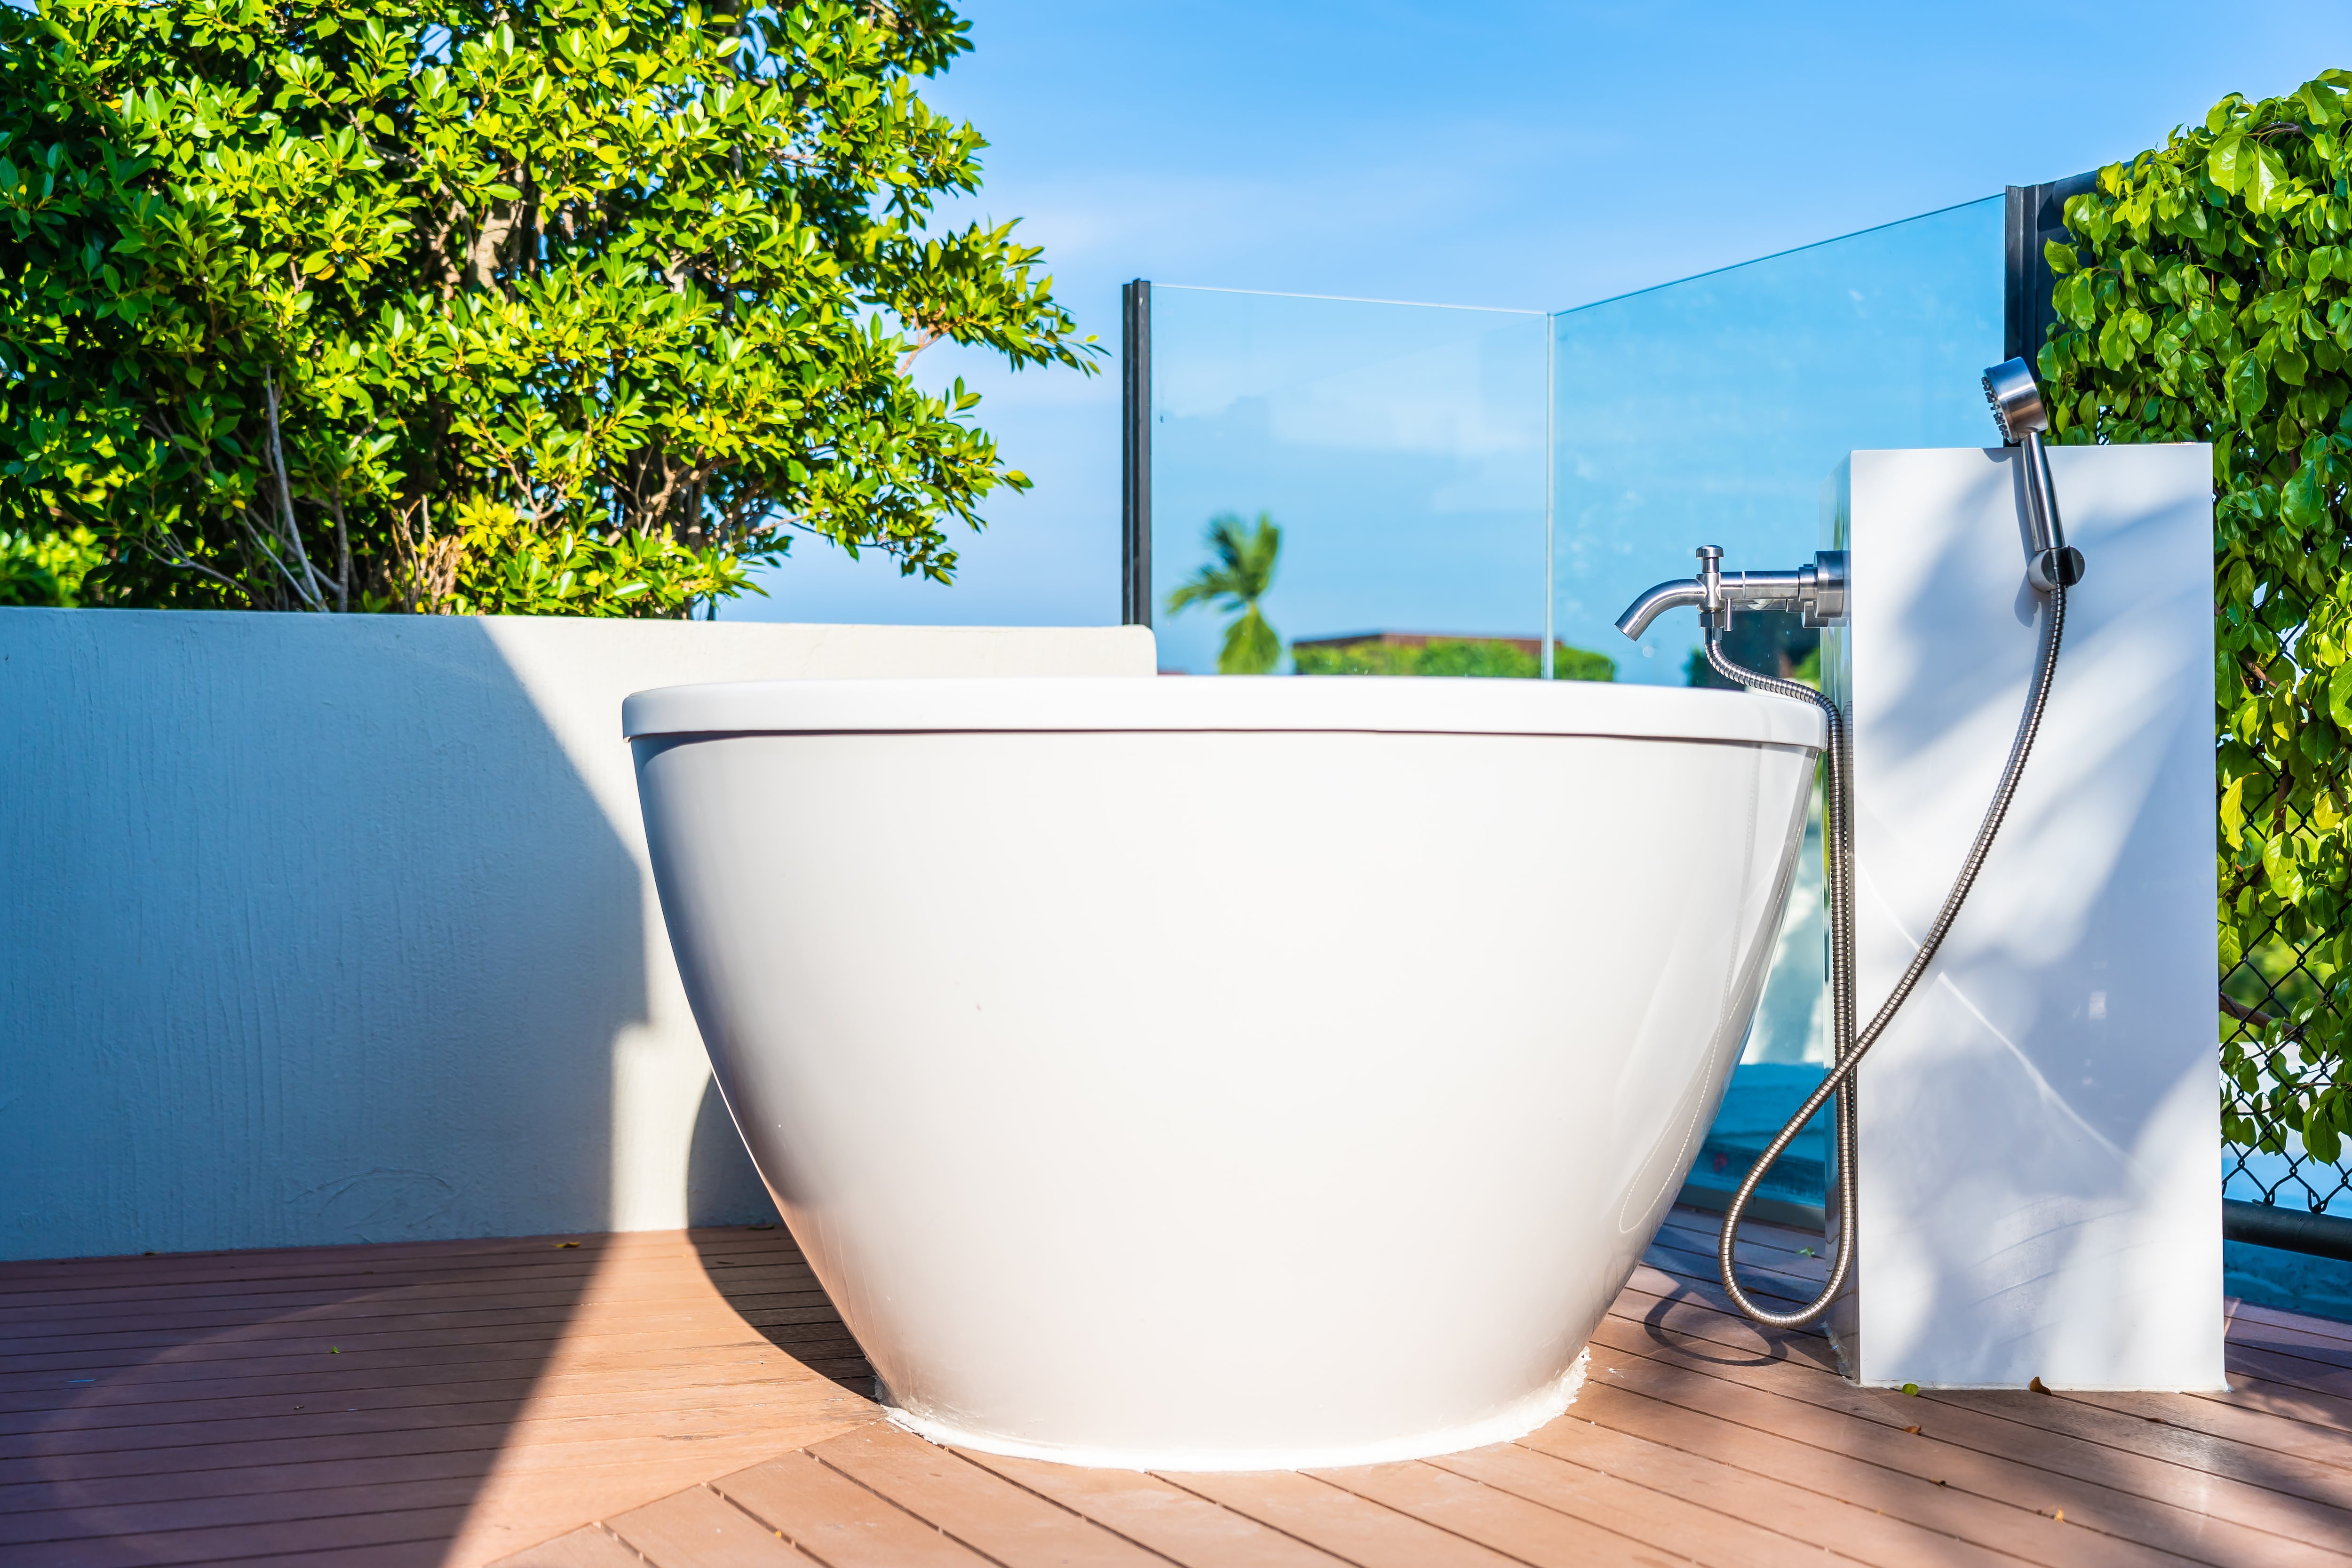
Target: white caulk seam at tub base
column 1515, row 1420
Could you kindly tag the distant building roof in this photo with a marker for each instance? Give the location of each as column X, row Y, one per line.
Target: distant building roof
column 1418, row 639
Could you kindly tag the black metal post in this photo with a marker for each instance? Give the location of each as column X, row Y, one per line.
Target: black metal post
column 2035, row 215
column 1135, row 453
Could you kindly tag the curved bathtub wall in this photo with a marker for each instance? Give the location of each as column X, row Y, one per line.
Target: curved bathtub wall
column 1127, row 1170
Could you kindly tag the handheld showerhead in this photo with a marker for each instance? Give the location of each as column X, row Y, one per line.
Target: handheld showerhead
column 2016, row 402
column 2022, row 417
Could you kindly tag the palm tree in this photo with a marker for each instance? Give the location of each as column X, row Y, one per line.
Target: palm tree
column 1237, row 579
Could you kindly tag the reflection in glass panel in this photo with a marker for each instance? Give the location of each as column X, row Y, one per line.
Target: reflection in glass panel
column 1397, row 452
column 1712, row 410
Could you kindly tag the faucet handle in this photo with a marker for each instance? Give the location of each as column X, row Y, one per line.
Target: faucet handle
column 1712, row 611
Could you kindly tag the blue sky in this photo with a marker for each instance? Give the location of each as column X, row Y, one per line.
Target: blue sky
column 1518, row 155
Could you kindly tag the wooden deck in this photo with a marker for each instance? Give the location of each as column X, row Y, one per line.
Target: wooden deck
column 691, row 1399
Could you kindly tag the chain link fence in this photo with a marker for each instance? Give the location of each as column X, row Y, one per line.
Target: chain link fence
column 2256, row 1006
column 2267, row 1002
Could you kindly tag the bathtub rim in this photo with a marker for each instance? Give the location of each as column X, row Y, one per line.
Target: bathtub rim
column 1291, row 704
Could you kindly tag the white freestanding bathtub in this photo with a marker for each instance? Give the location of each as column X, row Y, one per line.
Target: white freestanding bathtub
column 1222, row 1074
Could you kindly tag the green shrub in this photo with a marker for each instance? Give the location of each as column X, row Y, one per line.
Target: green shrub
column 1775, row 642
column 1451, row 655
column 2208, row 296
column 447, row 304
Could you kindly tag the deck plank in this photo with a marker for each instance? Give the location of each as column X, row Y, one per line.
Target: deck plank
column 2283, row 1364
column 1870, row 1519
column 841, row 1523
column 2314, row 1337
column 1823, row 1457
column 2226, row 1419
column 1733, row 1411
column 1160, row 1516
column 245, row 1543
column 178, row 1389
column 2286, row 1402
column 2203, row 1434
column 1339, row 1522
column 2327, row 1327
column 2329, row 1484
column 699, row 1529
column 229, row 1511
column 148, row 1428
column 524, row 1276
column 1553, row 1473
column 1530, row 1531
column 590, row 1546
column 1004, row 1521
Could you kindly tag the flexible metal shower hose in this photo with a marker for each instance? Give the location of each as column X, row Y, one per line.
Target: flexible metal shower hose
column 1850, row 1046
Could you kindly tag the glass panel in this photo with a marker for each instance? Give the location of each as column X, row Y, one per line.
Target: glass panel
column 1712, row 411
column 1399, row 449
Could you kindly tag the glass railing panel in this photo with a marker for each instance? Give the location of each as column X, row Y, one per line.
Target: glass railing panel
column 1399, row 449
column 1712, row 411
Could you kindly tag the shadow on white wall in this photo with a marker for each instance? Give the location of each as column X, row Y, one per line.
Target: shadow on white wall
column 316, row 935
column 324, row 929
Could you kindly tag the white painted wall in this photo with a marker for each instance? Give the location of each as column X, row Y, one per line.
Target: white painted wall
column 324, row 929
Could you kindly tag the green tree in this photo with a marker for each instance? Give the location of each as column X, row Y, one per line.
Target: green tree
column 550, row 306
column 2208, row 296
column 1237, row 579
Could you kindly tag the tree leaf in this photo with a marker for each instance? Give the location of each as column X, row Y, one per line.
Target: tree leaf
column 2282, row 870
column 2249, row 387
column 2340, row 696
column 2263, row 178
column 2323, row 1141
column 2303, row 500
column 2226, row 162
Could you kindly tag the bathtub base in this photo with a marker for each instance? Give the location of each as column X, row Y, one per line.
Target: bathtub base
column 1517, row 1420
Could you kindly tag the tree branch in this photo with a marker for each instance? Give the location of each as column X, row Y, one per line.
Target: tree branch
column 315, row 594
column 2259, row 1019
